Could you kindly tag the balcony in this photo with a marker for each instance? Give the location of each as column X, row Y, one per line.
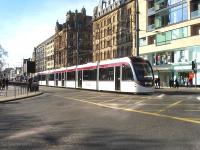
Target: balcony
column 151, row 11
column 151, row 27
column 195, row 14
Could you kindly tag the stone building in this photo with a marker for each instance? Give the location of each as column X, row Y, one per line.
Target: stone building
column 113, row 29
column 49, row 53
column 60, row 49
column 40, row 57
column 43, row 55
column 73, row 40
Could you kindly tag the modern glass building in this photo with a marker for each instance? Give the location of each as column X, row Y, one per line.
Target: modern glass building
column 170, row 38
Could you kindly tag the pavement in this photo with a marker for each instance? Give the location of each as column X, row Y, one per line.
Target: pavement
column 16, row 93
column 178, row 91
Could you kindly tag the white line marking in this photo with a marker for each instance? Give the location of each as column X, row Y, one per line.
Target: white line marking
column 198, row 98
column 32, row 131
column 161, row 96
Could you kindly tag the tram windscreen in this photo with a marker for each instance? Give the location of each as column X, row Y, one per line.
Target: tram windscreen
column 143, row 71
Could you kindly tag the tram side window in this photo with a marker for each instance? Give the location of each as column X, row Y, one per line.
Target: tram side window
column 59, row 76
column 43, row 77
column 71, row 75
column 51, row 77
column 90, row 75
column 63, row 76
column 106, row 74
column 39, row 78
column 56, row 76
column 127, row 73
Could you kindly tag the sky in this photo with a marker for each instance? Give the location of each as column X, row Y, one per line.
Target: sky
column 24, row 24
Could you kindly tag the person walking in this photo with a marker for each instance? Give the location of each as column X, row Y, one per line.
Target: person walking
column 158, row 80
column 176, row 84
column 30, row 84
column 6, row 83
column 3, row 83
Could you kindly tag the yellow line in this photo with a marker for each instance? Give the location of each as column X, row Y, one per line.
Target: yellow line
column 113, row 99
column 138, row 111
column 170, row 106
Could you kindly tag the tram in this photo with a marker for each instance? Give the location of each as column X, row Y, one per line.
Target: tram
column 128, row 74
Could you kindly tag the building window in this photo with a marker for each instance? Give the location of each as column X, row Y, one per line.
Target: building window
column 166, row 37
column 143, row 41
column 172, row 15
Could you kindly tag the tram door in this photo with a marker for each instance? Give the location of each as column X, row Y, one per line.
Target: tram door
column 47, row 80
column 117, row 78
column 63, row 79
column 80, row 79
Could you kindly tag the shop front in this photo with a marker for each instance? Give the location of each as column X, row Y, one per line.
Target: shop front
column 165, row 73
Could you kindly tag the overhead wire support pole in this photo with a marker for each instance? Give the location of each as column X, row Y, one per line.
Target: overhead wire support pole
column 98, row 62
column 137, row 27
column 77, row 54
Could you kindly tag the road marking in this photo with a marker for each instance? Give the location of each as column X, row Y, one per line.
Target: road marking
column 191, row 110
column 32, row 131
column 94, row 97
column 161, row 96
column 138, row 104
column 113, row 99
column 170, row 106
column 198, row 98
column 137, row 111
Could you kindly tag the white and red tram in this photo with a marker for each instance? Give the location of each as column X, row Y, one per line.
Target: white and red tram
column 128, row 74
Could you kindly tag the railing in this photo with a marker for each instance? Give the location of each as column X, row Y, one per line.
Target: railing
column 195, row 14
column 151, row 11
column 17, row 89
column 151, row 27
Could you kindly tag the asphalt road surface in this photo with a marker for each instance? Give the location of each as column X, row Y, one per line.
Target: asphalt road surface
column 68, row 119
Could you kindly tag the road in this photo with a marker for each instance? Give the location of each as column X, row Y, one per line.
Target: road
column 78, row 119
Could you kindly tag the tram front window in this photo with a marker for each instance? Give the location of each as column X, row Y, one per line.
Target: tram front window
column 144, row 72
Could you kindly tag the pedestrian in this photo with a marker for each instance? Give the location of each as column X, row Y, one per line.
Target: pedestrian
column 6, row 83
column 171, row 83
column 176, row 84
column 30, row 84
column 3, row 83
column 158, row 80
column 0, row 84
column 156, row 83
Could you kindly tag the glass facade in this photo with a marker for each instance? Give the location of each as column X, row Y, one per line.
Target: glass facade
column 175, row 63
column 171, row 15
column 166, row 37
column 161, row 4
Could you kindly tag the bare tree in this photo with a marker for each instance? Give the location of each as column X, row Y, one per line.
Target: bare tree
column 3, row 55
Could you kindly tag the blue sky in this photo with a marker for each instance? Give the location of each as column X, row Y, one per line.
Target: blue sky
column 26, row 23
